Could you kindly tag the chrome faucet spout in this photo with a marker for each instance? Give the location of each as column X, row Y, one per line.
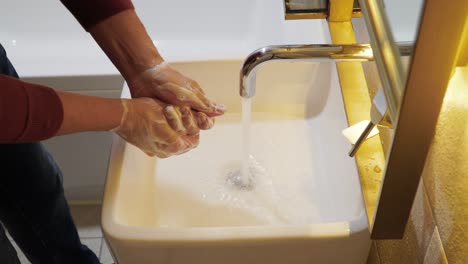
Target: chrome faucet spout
column 319, row 52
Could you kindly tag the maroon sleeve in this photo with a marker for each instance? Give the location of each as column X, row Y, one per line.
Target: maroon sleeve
column 91, row 12
column 28, row 112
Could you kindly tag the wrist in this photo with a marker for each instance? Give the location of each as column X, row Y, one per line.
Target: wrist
column 125, row 41
column 89, row 113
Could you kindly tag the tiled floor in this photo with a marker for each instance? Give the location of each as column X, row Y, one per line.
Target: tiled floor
column 87, row 219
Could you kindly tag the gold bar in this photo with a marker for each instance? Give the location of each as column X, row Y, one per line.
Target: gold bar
column 387, row 56
column 370, row 160
column 311, row 15
column 340, row 10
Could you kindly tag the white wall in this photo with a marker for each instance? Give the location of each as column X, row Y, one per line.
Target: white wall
column 404, row 18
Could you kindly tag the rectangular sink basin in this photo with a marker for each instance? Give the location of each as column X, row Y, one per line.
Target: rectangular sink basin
column 305, row 203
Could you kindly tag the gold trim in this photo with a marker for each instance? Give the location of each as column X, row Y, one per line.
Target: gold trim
column 357, row 14
column 315, row 15
column 311, row 15
column 387, row 56
column 340, row 10
column 463, row 47
column 369, row 159
column 321, row 14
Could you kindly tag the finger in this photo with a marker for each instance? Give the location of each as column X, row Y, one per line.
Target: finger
column 181, row 146
column 204, row 122
column 212, row 109
column 162, row 155
column 182, row 96
column 174, row 118
column 150, row 150
column 150, row 153
column 195, row 86
column 188, row 143
column 162, row 150
column 162, row 133
column 159, row 154
column 192, row 140
column 189, row 121
column 183, row 151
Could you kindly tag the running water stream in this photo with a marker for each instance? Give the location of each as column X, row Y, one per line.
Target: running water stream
column 246, row 114
column 243, row 177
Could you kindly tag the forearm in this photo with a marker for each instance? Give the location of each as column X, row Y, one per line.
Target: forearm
column 121, row 35
column 88, row 113
column 125, row 41
column 28, row 112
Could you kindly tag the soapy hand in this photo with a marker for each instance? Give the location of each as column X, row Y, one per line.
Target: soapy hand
column 172, row 87
column 160, row 129
column 186, row 121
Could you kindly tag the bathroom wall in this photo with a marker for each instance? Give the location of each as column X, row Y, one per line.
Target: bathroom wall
column 437, row 231
column 403, row 16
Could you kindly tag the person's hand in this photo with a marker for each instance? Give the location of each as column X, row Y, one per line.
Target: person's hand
column 159, row 129
column 172, row 87
column 186, row 121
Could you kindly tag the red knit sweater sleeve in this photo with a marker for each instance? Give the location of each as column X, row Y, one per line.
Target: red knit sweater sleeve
column 28, row 112
column 91, row 12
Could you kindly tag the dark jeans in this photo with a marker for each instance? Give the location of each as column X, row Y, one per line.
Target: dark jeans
column 33, row 207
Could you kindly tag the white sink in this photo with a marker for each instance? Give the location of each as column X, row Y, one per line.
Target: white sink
column 306, row 206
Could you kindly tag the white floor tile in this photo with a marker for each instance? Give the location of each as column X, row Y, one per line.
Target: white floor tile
column 106, row 257
column 87, row 219
column 94, row 244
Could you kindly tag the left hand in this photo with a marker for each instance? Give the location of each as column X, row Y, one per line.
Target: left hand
column 172, row 87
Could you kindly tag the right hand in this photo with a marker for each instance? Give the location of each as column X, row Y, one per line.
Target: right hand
column 159, row 129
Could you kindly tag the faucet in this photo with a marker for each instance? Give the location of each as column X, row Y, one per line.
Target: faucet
column 319, row 53
column 354, row 52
